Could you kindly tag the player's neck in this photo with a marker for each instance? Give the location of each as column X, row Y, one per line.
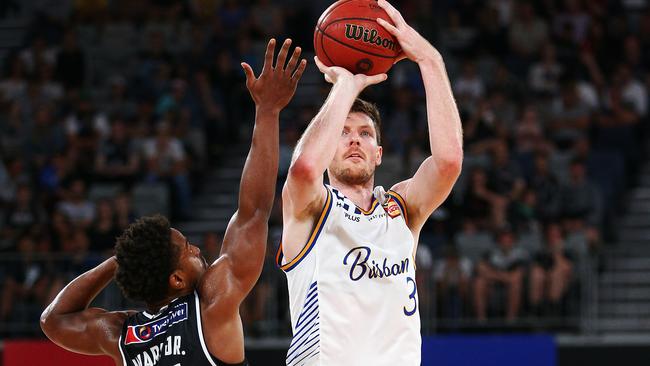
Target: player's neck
column 155, row 307
column 360, row 194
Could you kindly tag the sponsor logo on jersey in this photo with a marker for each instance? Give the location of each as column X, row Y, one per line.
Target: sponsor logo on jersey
column 143, row 333
column 392, row 209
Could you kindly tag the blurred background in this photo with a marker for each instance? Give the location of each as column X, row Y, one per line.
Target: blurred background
column 113, row 109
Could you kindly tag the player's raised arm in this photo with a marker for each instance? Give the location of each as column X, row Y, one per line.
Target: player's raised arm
column 303, row 194
column 71, row 324
column 433, row 181
column 243, row 250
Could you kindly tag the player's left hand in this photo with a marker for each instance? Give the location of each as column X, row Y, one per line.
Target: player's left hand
column 414, row 46
column 275, row 86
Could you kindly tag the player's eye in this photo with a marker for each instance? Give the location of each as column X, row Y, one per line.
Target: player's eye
column 365, row 133
column 344, row 132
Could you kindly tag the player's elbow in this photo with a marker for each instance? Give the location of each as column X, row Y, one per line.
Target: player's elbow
column 47, row 321
column 304, row 170
column 451, row 163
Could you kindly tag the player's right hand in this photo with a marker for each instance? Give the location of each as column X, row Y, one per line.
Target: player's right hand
column 275, row 86
column 336, row 74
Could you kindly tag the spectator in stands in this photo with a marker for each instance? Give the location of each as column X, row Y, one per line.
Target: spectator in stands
column 469, row 86
column 550, row 273
column 124, row 214
column 502, row 266
column 71, row 62
column 47, row 136
column 11, row 176
column 523, row 212
column 570, row 116
column 581, row 200
column 527, row 34
column 211, row 246
column 103, row 231
column 117, row 160
column 480, row 204
column 29, row 284
column 544, row 76
column 14, row 85
column 166, row 162
column 452, row 275
column 118, row 103
column 505, row 179
column 23, row 215
column 546, row 187
column 76, row 207
column 85, row 127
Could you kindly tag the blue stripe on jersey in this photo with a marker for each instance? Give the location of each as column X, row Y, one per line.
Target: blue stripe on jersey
column 306, row 333
column 307, row 357
column 313, row 335
column 308, row 348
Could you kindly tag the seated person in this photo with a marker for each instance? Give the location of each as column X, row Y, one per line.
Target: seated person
column 452, row 275
column 502, row 265
column 550, row 273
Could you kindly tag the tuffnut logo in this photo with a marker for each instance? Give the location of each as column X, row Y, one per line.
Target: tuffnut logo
column 371, row 36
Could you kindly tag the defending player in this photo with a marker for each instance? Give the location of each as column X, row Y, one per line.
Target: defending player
column 348, row 253
column 192, row 315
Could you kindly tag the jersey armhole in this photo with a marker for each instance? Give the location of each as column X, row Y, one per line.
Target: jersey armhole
column 401, row 203
column 315, row 232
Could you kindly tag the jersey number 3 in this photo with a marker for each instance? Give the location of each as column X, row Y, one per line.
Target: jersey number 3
column 412, row 296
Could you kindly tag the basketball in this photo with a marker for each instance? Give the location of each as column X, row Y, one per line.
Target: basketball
column 348, row 35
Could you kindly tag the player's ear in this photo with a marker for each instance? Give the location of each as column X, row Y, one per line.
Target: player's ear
column 380, row 152
column 177, row 280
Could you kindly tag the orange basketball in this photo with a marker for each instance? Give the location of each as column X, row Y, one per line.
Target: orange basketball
column 348, row 35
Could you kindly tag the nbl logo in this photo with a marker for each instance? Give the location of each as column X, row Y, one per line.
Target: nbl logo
column 145, row 332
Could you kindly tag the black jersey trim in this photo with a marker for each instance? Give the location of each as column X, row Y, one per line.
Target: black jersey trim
column 208, row 356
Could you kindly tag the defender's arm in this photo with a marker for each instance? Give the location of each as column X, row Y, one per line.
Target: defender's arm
column 233, row 275
column 71, row 324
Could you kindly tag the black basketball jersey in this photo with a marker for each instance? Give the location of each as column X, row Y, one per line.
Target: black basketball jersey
column 172, row 337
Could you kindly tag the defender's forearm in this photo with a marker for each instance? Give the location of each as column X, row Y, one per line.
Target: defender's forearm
column 78, row 294
column 257, row 186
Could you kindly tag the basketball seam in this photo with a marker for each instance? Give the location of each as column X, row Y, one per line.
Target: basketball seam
column 322, row 46
column 347, row 45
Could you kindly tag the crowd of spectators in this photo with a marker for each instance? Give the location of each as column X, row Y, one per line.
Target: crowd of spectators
column 552, row 96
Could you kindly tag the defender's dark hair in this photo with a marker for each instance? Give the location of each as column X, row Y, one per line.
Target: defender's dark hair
column 370, row 110
column 145, row 257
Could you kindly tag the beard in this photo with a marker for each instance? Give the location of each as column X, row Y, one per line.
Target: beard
column 353, row 177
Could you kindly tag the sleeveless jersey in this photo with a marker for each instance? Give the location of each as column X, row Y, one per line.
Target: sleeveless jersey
column 172, row 337
column 352, row 291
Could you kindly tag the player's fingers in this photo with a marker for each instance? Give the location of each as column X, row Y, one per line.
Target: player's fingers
column 282, row 56
column 299, row 71
column 376, row 79
column 250, row 76
column 268, row 56
column 320, row 65
column 293, row 61
column 389, row 27
column 394, row 14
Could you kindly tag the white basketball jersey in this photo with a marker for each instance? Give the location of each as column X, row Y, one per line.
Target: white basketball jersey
column 352, row 291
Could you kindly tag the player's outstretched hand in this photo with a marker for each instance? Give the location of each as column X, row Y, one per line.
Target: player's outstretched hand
column 276, row 85
column 336, row 74
column 414, row 46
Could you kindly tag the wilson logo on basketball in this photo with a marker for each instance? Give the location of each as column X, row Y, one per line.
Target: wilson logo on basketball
column 371, row 36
